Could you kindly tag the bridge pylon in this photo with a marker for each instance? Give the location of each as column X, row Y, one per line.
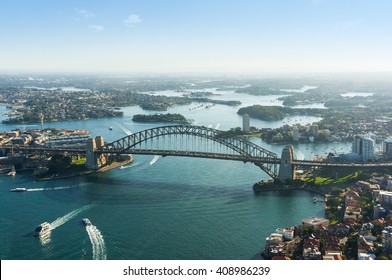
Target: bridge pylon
column 94, row 160
column 286, row 169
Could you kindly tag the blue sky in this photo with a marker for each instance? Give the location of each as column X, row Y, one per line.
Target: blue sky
column 215, row 36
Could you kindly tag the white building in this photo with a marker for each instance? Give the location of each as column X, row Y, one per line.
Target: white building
column 366, row 257
column 387, row 239
column 315, row 222
column 288, row 234
column 385, row 198
column 295, row 133
column 363, row 146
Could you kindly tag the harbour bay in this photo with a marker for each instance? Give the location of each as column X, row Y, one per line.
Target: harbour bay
column 174, row 208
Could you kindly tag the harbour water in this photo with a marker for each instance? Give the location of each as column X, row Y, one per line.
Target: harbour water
column 155, row 208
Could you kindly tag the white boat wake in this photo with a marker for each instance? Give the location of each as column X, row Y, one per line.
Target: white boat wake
column 50, row 189
column 154, row 160
column 62, row 220
column 54, row 188
column 97, row 242
column 131, row 165
column 123, row 128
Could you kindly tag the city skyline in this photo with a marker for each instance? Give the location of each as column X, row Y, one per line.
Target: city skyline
column 196, row 36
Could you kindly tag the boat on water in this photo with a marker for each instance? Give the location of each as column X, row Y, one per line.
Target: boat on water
column 86, row 222
column 18, row 190
column 110, row 128
column 11, row 173
column 122, row 167
column 315, row 199
column 42, row 229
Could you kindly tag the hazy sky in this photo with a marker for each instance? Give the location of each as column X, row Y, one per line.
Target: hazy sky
column 246, row 36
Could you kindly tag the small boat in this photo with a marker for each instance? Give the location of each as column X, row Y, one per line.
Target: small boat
column 122, row 167
column 11, row 173
column 315, row 199
column 86, row 222
column 18, row 190
column 110, row 128
column 42, row 229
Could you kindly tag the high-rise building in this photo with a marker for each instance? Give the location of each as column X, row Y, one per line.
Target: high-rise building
column 295, row 133
column 367, row 149
column 245, row 123
column 357, row 144
column 314, row 130
column 363, row 146
column 387, row 147
column 387, row 239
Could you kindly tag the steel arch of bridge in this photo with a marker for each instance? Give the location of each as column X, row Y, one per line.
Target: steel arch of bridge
column 244, row 150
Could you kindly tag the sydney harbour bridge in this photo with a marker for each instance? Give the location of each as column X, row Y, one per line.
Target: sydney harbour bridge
column 189, row 141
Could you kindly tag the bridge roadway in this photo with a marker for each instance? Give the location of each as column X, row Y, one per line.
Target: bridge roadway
column 74, row 150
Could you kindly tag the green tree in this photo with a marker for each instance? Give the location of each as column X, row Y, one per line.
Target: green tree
column 58, row 163
column 351, row 249
column 337, row 192
column 378, row 228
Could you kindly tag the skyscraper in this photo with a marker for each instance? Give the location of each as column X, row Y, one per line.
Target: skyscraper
column 387, row 147
column 245, row 123
column 295, row 133
column 314, row 130
column 363, row 146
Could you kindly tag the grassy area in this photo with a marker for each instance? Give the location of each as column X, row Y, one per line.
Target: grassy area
column 344, row 177
column 79, row 161
column 321, row 180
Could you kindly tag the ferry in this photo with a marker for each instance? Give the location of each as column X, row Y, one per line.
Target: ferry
column 86, row 222
column 42, row 229
column 18, row 190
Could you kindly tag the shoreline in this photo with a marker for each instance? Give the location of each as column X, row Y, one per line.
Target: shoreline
column 258, row 188
column 83, row 173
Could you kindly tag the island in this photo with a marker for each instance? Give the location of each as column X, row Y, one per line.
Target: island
column 174, row 118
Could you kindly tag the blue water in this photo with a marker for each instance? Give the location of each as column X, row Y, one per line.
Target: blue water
column 173, row 208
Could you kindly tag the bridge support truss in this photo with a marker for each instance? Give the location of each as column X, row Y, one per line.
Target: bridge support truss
column 184, row 140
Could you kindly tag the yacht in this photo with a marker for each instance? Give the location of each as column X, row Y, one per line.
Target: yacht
column 18, row 190
column 86, row 222
column 42, row 229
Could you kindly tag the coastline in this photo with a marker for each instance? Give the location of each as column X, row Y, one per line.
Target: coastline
column 87, row 172
column 273, row 187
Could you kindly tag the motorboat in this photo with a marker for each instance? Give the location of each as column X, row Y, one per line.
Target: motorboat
column 42, row 229
column 18, row 190
column 11, row 173
column 110, row 128
column 315, row 199
column 86, row 222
